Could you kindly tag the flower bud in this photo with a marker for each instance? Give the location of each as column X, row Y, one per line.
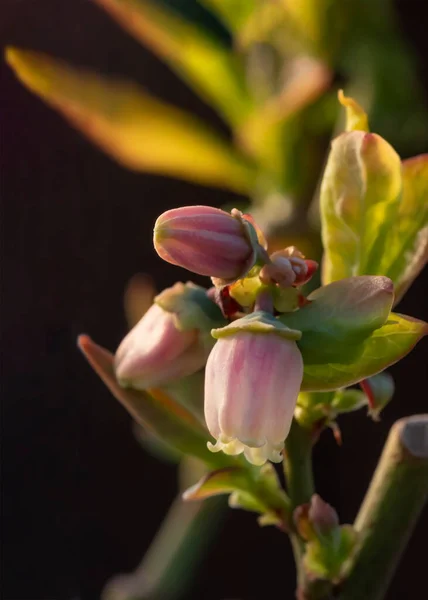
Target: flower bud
column 253, row 377
column 288, row 267
column 207, row 241
column 322, row 516
column 171, row 340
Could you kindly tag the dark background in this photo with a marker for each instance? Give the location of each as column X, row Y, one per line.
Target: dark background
column 81, row 500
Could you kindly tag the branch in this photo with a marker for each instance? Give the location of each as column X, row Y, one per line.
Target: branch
column 390, row 510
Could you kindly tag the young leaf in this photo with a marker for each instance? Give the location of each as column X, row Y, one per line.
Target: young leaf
column 383, row 348
column 155, row 410
column 198, row 58
column 406, row 252
column 258, row 491
column 356, row 117
column 360, row 196
column 328, row 558
column 137, row 130
column 339, row 317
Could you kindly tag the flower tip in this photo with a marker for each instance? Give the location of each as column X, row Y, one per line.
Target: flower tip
column 83, row 342
column 387, row 285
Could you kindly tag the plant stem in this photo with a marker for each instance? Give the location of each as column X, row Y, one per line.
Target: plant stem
column 168, row 568
column 394, row 500
column 298, row 465
column 300, row 484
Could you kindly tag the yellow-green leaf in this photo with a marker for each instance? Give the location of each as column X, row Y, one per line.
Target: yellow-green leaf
column 257, row 490
column 198, row 58
column 360, row 196
column 356, row 117
column 406, row 252
column 137, row 130
column 383, row 348
column 234, row 13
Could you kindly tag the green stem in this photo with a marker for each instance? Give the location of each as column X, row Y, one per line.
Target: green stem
column 169, row 565
column 390, row 510
column 298, row 465
column 300, row 484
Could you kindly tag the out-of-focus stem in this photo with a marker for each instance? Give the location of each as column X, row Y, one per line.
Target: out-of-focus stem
column 174, row 555
column 394, row 500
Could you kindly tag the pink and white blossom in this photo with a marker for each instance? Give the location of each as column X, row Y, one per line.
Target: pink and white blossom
column 251, row 387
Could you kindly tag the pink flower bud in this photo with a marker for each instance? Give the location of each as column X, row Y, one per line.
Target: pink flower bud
column 251, row 386
column 288, row 267
column 207, row 241
column 155, row 351
column 322, row 516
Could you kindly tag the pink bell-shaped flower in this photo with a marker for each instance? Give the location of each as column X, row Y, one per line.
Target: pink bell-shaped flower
column 207, row 241
column 171, row 341
column 252, row 382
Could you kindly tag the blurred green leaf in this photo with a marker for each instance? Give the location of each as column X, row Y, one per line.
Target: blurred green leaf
column 155, row 410
column 137, row 130
column 223, row 481
column 198, row 58
column 376, row 56
column 233, row 13
column 384, row 347
column 280, row 133
column 313, row 27
column 406, row 252
column 138, row 297
column 360, row 196
column 327, row 558
column 339, row 317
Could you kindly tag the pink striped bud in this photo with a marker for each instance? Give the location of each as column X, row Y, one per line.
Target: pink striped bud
column 253, row 377
column 207, row 241
column 171, row 341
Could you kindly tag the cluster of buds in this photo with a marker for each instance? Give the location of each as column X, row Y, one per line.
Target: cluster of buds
column 287, row 268
column 254, row 368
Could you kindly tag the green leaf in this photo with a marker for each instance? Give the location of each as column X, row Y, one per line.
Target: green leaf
column 406, row 251
column 156, row 411
column 198, row 58
column 360, row 196
column 257, row 490
column 137, row 130
column 384, row 347
column 349, row 400
column 339, row 317
column 233, row 13
column 328, row 558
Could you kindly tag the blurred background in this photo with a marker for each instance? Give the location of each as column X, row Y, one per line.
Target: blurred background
column 81, row 500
